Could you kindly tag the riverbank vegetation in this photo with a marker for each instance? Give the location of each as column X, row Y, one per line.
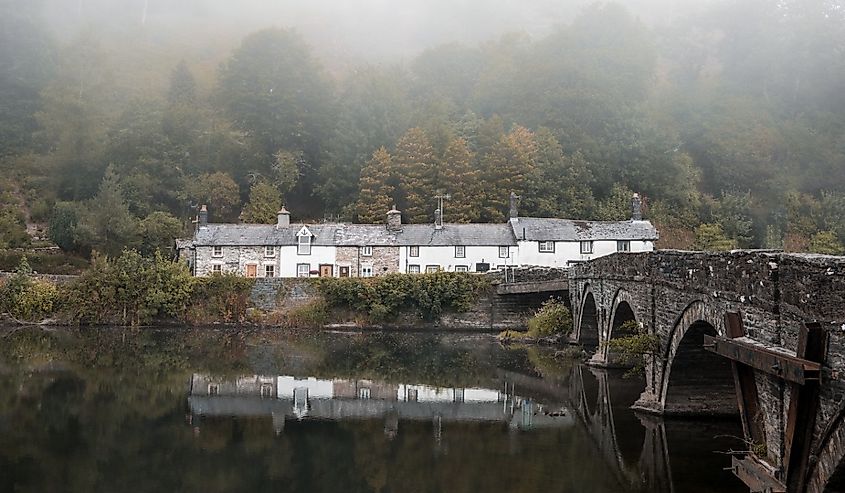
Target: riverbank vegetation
column 728, row 122
column 552, row 320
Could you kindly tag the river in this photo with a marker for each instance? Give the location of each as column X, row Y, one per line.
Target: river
column 223, row 410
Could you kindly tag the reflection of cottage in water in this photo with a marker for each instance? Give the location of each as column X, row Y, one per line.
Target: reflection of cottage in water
column 287, row 397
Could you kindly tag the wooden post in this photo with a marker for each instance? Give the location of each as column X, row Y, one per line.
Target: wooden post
column 745, row 385
column 803, row 407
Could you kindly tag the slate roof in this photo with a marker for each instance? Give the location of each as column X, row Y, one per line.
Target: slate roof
column 344, row 234
column 548, row 229
column 456, row 234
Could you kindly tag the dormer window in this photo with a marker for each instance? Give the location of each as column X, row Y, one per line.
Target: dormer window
column 303, row 241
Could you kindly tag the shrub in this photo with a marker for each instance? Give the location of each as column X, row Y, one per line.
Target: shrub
column 382, row 298
column 25, row 298
column 552, row 318
column 130, row 290
column 633, row 348
column 312, row 316
column 221, row 297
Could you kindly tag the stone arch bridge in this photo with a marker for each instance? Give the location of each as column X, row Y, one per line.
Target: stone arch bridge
column 755, row 333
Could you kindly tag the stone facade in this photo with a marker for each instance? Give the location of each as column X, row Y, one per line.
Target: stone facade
column 235, row 259
column 383, row 260
column 676, row 294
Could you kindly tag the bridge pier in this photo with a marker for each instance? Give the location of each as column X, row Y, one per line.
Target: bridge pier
column 691, row 302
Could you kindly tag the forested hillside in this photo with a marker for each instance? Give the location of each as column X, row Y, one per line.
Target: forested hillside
column 730, row 123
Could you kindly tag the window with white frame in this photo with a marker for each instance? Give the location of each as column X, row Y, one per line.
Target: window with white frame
column 303, row 270
column 366, row 271
column 366, row 251
column 269, row 251
column 413, row 269
column 546, row 247
column 269, row 271
column 217, row 251
column 586, row 247
column 504, row 252
column 431, row 269
column 303, row 245
column 623, row 246
column 461, row 268
column 414, row 251
column 364, row 393
column 460, row 251
column 216, row 269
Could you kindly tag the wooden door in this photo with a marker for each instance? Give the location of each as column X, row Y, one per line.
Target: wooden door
column 251, row 270
column 326, row 270
column 344, row 271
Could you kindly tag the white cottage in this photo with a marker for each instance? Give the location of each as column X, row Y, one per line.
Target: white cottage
column 367, row 250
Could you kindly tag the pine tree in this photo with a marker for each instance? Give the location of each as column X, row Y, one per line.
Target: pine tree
column 509, row 167
column 377, row 188
column 462, row 181
column 415, row 162
column 264, row 202
column 108, row 223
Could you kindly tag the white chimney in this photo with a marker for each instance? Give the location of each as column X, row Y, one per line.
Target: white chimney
column 283, row 218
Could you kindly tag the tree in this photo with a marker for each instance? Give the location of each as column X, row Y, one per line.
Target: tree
column 12, row 229
column 377, row 188
column 63, row 226
column 158, row 232
column 414, row 159
column 183, row 87
column 826, row 242
column 509, row 167
column 711, row 238
column 563, row 188
column 217, row 190
column 462, row 181
column 616, row 206
column 264, row 203
column 107, row 222
column 287, row 168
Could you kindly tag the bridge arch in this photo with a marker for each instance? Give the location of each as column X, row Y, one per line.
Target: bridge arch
column 588, row 326
column 623, row 309
column 694, row 380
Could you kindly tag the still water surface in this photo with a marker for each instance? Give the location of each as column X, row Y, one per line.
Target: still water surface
column 208, row 411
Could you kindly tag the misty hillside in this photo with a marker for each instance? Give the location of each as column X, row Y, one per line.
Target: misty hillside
column 117, row 118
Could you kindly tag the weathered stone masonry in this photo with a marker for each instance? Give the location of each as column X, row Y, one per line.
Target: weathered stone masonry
column 679, row 294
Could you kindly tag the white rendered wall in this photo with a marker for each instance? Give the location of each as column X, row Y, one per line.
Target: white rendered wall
column 319, row 255
column 570, row 251
column 444, row 257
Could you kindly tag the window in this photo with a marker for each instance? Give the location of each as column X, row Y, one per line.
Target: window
column 213, row 389
column 364, row 393
column 461, row 268
column 431, row 269
column 269, row 271
column 366, row 251
column 623, row 246
column 547, row 247
column 414, row 251
column 266, row 390
column 504, row 252
column 216, row 269
column 269, row 251
column 303, row 270
column 460, row 251
column 217, row 251
column 303, row 246
column 366, row 271
column 413, row 269
column 586, row 247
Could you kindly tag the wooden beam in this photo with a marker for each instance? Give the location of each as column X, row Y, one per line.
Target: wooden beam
column 745, row 385
column 755, row 476
column 787, row 367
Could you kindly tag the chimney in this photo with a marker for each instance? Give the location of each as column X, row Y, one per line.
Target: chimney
column 514, row 206
column 636, row 208
column 203, row 216
column 438, row 219
column 283, row 218
column 394, row 220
